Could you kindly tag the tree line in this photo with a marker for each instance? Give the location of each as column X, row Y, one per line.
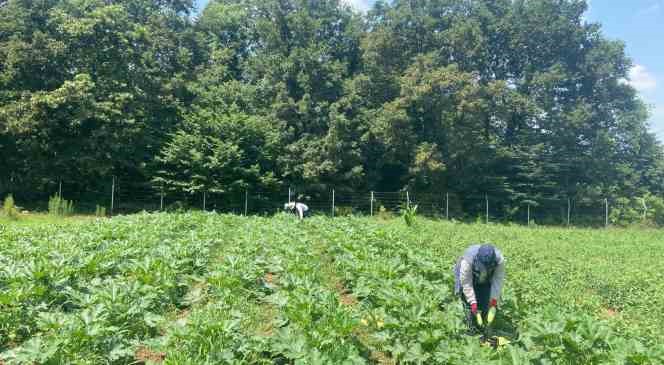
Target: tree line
column 515, row 98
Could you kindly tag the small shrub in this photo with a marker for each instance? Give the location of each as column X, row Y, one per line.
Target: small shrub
column 343, row 211
column 384, row 214
column 60, row 207
column 100, row 211
column 647, row 210
column 9, row 208
column 409, row 214
column 176, row 207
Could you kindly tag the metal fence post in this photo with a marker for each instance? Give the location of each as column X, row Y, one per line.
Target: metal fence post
column 606, row 212
column 486, row 198
column 289, row 195
column 60, row 189
column 569, row 210
column 112, row 194
column 332, row 203
column 246, row 202
column 528, row 214
column 407, row 200
column 447, row 206
column 161, row 199
column 372, row 201
column 204, row 201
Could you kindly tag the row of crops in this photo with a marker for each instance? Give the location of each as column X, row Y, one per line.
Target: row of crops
column 203, row 288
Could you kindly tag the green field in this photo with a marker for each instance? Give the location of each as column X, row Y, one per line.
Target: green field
column 203, row 288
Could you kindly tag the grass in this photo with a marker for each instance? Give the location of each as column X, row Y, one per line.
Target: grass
column 37, row 219
column 199, row 288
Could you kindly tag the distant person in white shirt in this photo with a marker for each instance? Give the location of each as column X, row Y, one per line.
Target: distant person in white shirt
column 299, row 209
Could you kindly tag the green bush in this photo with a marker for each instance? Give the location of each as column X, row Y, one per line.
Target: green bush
column 100, row 211
column 647, row 210
column 60, row 207
column 384, row 214
column 343, row 211
column 177, row 206
column 9, row 209
column 409, row 213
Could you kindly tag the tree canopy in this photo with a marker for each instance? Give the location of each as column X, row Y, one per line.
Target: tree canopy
column 519, row 98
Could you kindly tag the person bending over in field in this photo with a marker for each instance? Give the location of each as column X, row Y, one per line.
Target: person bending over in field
column 479, row 275
column 299, row 209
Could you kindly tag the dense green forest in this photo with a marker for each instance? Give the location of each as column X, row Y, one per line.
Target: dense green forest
column 517, row 98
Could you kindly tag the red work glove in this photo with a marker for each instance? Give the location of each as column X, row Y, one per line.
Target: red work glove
column 493, row 302
column 473, row 308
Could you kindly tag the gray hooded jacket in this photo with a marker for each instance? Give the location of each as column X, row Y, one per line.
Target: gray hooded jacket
column 463, row 275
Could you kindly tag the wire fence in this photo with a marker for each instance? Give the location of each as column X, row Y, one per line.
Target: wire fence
column 126, row 197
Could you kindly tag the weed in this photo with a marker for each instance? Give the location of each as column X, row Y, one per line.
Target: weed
column 60, row 207
column 9, row 209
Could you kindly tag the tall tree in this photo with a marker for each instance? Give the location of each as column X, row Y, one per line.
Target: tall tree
column 90, row 88
column 516, row 98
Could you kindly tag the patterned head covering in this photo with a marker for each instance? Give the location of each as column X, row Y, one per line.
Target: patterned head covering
column 485, row 262
column 487, row 256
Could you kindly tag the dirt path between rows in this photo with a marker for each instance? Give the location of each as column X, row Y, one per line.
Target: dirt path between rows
column 347, row 298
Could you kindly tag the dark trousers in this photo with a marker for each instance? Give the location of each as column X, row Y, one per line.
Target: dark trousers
column 305, row 214
column 483, row 296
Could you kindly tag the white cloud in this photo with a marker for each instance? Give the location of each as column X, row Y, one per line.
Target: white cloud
column 361, row 5
column 654, row 8
column 641, row 79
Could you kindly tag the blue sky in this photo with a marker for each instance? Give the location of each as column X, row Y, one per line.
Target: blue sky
column 638, row 23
